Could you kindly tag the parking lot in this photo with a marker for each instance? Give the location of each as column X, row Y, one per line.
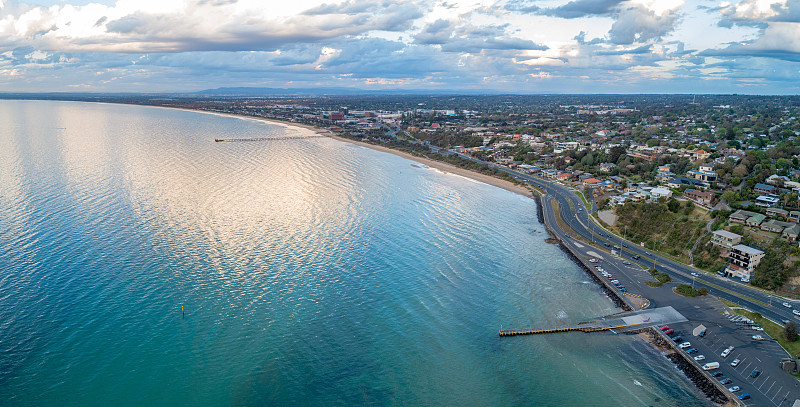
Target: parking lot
column 771, row 387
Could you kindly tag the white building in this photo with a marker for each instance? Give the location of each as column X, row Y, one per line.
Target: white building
column 656, row 193
column 744, row 260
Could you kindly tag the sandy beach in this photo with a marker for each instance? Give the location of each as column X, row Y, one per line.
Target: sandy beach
column 487, row 179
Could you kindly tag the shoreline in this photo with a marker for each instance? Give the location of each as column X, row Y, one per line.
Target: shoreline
column 648, row 337
column 441, row 166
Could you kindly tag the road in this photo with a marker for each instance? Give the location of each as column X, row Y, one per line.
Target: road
column 772, row 388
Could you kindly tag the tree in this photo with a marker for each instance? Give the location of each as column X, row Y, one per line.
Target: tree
column 790, row 331
column 674, row 206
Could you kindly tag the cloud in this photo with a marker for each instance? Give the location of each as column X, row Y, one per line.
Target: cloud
column 583, row 8
column 777, row 40
column 638, row 23
column 197, row 25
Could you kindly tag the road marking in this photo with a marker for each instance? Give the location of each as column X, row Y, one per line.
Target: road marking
column 762, row 385
column 777, row 393
column 770, row 388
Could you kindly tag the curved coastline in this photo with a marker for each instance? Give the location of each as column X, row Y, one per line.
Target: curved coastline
column 445, row 167
column 648, row 337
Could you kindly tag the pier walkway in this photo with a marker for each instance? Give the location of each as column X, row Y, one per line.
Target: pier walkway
column 622, row 322
column 230, row 140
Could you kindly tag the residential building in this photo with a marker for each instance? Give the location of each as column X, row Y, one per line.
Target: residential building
column 765, row 189
column 702, row 175
column 775, row 213
column 794, row 216
column 657, row 193
column 725, row 239
column 755, row 220
column 743, row 261
column 791, row 232
column 591, row 182
column 767, row 201
column 701, row 197
column 741, row 216
column 775, row 226
column 678, row 182
column 607, row 167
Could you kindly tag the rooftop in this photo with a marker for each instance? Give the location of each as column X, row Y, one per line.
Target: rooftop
column 729, row 235
column 747, row 249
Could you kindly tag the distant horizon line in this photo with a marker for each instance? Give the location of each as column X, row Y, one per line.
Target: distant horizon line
column 328, row 91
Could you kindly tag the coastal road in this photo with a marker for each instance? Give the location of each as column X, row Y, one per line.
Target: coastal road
column 580, row 222
column 772, row 388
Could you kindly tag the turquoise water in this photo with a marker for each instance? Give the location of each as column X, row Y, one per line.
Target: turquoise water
column 311, row 272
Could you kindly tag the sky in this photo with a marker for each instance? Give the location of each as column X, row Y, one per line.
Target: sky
column 516, row 46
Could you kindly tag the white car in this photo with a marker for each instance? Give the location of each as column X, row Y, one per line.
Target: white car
column 787, row 305
column 796, row 312
column 757, row 328
column 758, row 338
column 725, row 353
column 734, row 389
column 699, row 358
column 685, row 345
column 735, row 362
column 695, row 274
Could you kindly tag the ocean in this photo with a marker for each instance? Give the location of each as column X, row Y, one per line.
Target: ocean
column 144, row 264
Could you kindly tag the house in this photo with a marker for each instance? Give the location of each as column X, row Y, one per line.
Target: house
column 700, row 154
column 743, row 261
column 774, row 226
column 700, row 197
column 664, row 173
column 767, row 201
column 794, row 216
column 657, row 193
column 678, row 182
column 725, row 239
column 791, row 232
column 755, row 220
column 591, row 182
column 702, row 175
column 609, row 185
column 607, row 167
column 564, row 176
column 741, row 216
column 765, row 189
column 775, row 213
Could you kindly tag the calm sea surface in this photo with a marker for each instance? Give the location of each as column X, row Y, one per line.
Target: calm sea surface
column 311, row 272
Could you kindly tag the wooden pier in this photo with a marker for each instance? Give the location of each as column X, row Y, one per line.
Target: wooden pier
column 623, row 321
column 231, row 140
column 581, row 328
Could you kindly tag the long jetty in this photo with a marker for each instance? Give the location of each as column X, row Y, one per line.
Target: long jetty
column 581, row 328
column 230, row 140
column 623, row 321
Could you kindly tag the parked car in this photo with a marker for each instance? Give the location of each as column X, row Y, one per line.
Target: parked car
column 725, row 381
column 676, row 338
column 725, row 353
column 685, row 345
column 734, row 389
column 758, row 338
column 664, row 328
column 735, row 362
column 699, row 358
column 669, row 331
column 716, row 374
column 744, row 396
column 757, row 328
column 692, row 350
column 755, row 373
